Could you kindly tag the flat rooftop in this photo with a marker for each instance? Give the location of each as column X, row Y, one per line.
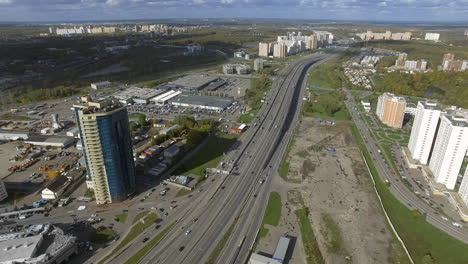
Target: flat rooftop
column 200, row 100
column 52, row 140
column 458, row 121
column 194, row 80
column 20, row 248
column 430, row 105
column 137, row 92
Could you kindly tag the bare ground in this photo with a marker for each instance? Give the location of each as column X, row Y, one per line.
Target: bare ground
column 344, row 211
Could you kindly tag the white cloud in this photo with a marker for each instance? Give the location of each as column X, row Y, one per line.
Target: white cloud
column 199, row 2
column 382, row 4
column 112, row 2
column 6, row 1
column 227, row 1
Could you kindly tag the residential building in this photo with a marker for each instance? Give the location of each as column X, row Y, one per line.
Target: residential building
column 3, row 191
column 391, row 109
column 279, row 50
column 450, row 64
column 449, row 150
column 432, row 36
column 107, row 149
column 263, row 49
column 423, row 131
column 258, row 64
column 463, row 191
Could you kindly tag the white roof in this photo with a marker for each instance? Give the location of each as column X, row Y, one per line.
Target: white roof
column 19, row 249
column 159, row 97
column 259, row 259
column 170, row 96
column 242, row 126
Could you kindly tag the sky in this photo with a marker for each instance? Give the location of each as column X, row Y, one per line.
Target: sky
column 360, row 10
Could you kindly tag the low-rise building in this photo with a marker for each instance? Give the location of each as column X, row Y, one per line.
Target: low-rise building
column 13, row 135
column 55, row 190
column 366, row 105
column 100, row 85
column 50, row 141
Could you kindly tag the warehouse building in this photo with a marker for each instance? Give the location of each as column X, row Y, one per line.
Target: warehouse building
column 137, row 95
column 194, row 82
column 50, row 141
column 100, row 85
column 212, row 103
column 13, row 135
column 55, row 189
column 163, row 98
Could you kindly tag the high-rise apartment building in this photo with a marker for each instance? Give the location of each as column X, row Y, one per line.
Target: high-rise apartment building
column 391, row 110
column 449, row 150
column 263, row 49
column 107, row 148
column 423, row 131
column 463, row 191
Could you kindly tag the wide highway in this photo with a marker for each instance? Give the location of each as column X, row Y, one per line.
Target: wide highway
column 397, row 188
column 236, row 201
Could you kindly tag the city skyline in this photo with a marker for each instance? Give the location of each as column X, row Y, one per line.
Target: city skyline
column 82, row 10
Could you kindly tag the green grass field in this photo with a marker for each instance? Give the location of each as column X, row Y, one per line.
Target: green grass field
column 209, row 156
column 422, row 239
column 309, row 241
column 122, row 217
column 219, row 247
column 134, row 232
column 273, row 211
column 327, row 75
column 102, row 235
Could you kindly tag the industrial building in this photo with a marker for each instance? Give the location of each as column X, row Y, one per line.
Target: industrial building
column 194, row 82
column 213, row 103
column 13, row 135
column 163, row 98
column 107, row 148
column 423, row 131
column 137, row 95
column 38, row 244
column 449, row 150
column 391, row 110
column 56, row 188
column 50, row 141
column 100, row 85
column 278, row 257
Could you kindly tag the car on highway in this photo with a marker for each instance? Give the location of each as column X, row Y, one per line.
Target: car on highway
column 188, row 232
column 195, row 220
column 445, row 218
column 181, row 249
column 145, row 239
column 457, row 224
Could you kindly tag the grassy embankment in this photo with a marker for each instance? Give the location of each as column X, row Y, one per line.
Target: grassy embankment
column 137, row 228
column 253, row 96
column 309, row 241
column 272, row 213
column 426, row 243
column 208, row 157
column 149, row 245
column 327, row 75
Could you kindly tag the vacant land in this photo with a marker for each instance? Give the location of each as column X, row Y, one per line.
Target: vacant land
column 327, row 75
column 337, row 192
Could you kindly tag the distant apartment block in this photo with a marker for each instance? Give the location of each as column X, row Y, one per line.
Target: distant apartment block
column 293, row 43
column 423, row 131
column 463, row 191
column 432, row 36
column 450, row 64
column 391, row 110
column 387, row 35
column 412, row 65
column 449, row 150
column 258, row 64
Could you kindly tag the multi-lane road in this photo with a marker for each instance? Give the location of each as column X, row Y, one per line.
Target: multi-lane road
column 397, row 188
column 236, row 202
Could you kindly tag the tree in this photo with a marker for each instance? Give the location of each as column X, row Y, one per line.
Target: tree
column 195, row 136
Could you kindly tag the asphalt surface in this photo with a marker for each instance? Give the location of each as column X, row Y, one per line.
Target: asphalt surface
column 240, row 197
column 397, row 188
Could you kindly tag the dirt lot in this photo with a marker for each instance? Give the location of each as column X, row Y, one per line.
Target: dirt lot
column 344, row 211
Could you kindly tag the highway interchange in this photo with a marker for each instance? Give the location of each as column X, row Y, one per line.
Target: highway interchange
column 397, row 188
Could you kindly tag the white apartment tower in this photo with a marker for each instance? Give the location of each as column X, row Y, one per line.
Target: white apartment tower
column 463, row 191
column 449, row 150
column 423, row 131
